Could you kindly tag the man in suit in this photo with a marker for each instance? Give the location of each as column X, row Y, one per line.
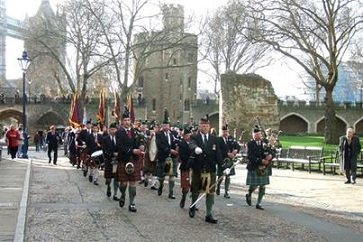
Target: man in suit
column 166, row 157
column 229, row 149
column 256, row 159
column 207, row 155
column 129, row 150
column 349, row 149
column 53, row 139
column 109, row 147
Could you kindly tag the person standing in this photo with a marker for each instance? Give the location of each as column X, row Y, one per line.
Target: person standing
column 94, row 143
column 36, row 141
column 184, row 154
column 207, row 153
column 349, row 149
column 129, row 166
column 19, row 153
column 166, row 157
column 12, row 141
column 52, row 141
column 257, row 159
column 229, row 149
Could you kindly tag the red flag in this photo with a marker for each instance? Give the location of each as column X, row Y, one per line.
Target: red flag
column 73, row 114
column 101, row 110
column 130, row 107
column 117, row 107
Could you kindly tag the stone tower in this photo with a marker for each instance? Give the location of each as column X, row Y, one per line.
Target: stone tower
column 166, row 69
column 44, row 71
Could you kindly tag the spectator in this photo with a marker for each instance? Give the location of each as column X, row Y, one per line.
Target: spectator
column 36, row 140
column 52, row 140
column 12, row 140
column 20, row 143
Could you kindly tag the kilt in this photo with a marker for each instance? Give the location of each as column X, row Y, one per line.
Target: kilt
column 108, row 174
column 149, row 166
column 254, row 179
column 185, row 179
column 196, row 183
column 123, row 177
column 160, row 169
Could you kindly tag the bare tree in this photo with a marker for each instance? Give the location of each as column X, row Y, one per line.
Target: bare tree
column 314, row 34
column 227, row 45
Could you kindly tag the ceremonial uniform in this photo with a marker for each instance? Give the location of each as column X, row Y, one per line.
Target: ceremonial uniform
column 184, row 155
column 83, row 157
column 206, row 157
column 257, row 166
column 166, row 158
column 150, row 159
column 94, row 143
column 229, row 149
column 129, row 164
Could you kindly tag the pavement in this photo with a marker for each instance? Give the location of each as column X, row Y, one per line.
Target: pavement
column 43, row 202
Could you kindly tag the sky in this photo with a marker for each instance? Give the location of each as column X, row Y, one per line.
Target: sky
column 280, row 74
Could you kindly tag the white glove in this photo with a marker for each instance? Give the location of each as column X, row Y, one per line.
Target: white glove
column 198, row 151
column 226, row 171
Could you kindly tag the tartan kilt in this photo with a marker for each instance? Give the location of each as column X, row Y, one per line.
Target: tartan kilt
column 196, row 183
column 108, row 174
column 149, row 166
column 123, row 177
column 160, row 169
column 254, row 179
column 185, row 179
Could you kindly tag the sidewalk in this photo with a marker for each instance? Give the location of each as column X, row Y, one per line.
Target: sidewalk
column 287, row 188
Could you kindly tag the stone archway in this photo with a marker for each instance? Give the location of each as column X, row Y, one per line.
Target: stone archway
column 293, row 124
column 48, row 119
column 11, row 113
column 341, row 126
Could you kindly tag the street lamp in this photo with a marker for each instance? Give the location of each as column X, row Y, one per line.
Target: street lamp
column 361, row 95
column 24, row 62
column 29, row 90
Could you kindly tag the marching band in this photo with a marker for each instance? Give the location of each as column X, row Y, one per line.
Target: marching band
column 129, row 154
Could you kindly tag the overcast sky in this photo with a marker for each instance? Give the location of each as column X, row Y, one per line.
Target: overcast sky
column 279, row 74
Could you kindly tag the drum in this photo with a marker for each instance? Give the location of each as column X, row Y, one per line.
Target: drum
column 97, row 157
column 152, row 149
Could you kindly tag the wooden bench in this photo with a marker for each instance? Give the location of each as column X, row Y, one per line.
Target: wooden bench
column 301, row 155
column 333, row 162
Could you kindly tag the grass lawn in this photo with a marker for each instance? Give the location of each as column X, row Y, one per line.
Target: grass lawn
column 288, row 141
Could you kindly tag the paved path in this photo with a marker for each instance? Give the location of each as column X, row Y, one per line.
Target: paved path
column 56, row 203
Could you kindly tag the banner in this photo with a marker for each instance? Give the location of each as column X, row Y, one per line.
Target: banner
column 130, row 108
column 73, row 114
column 117, row 106
column 101, row 110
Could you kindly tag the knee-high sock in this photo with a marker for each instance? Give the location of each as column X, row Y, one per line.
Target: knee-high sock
column 209, row 201
column 123, row 190
column 194, row 197
column 261, row 192
column 184, row 193
column 171, row 185
column 132, row 193
column 251, row 189
column 161, row 181
column 227, row 181
column 116, row 185
column 219, row 184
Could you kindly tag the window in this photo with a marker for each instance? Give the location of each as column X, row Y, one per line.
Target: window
column 154, row 104
column 166, row 76
column 190, row 58
column 174, row 61
column 189, row 82
column 187, row 105
column 141, row 81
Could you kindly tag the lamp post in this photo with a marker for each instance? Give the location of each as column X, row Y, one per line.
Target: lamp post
column 361, row 95
column 24, row 62
column 29, row 90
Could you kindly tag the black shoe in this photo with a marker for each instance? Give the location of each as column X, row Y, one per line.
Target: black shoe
column 160, row 190
column 49, row 161
column 182, row 203
column 226, row 196
column 132, row 208
column 210, row 219
column 95, row 183
column 171, row 196
column 115, row 198
column 146, row 182
column 153, row 188
column 121, row 202
column 347, row 182
column 55, row 163
column 248, row 199
column 84, row 173
column 78, row 167
column 192, row 212
column 259, row 207
column 218, row 191
column 108, row 191
column 353, row 182
column 90, row 178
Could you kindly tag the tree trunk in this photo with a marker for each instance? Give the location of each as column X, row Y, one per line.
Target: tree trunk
column 330, row 134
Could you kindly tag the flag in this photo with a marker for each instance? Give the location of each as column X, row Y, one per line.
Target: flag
column 84, row 115
column 101, row 110
column 73, row 114
column 117, row 106
column 130, row 108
